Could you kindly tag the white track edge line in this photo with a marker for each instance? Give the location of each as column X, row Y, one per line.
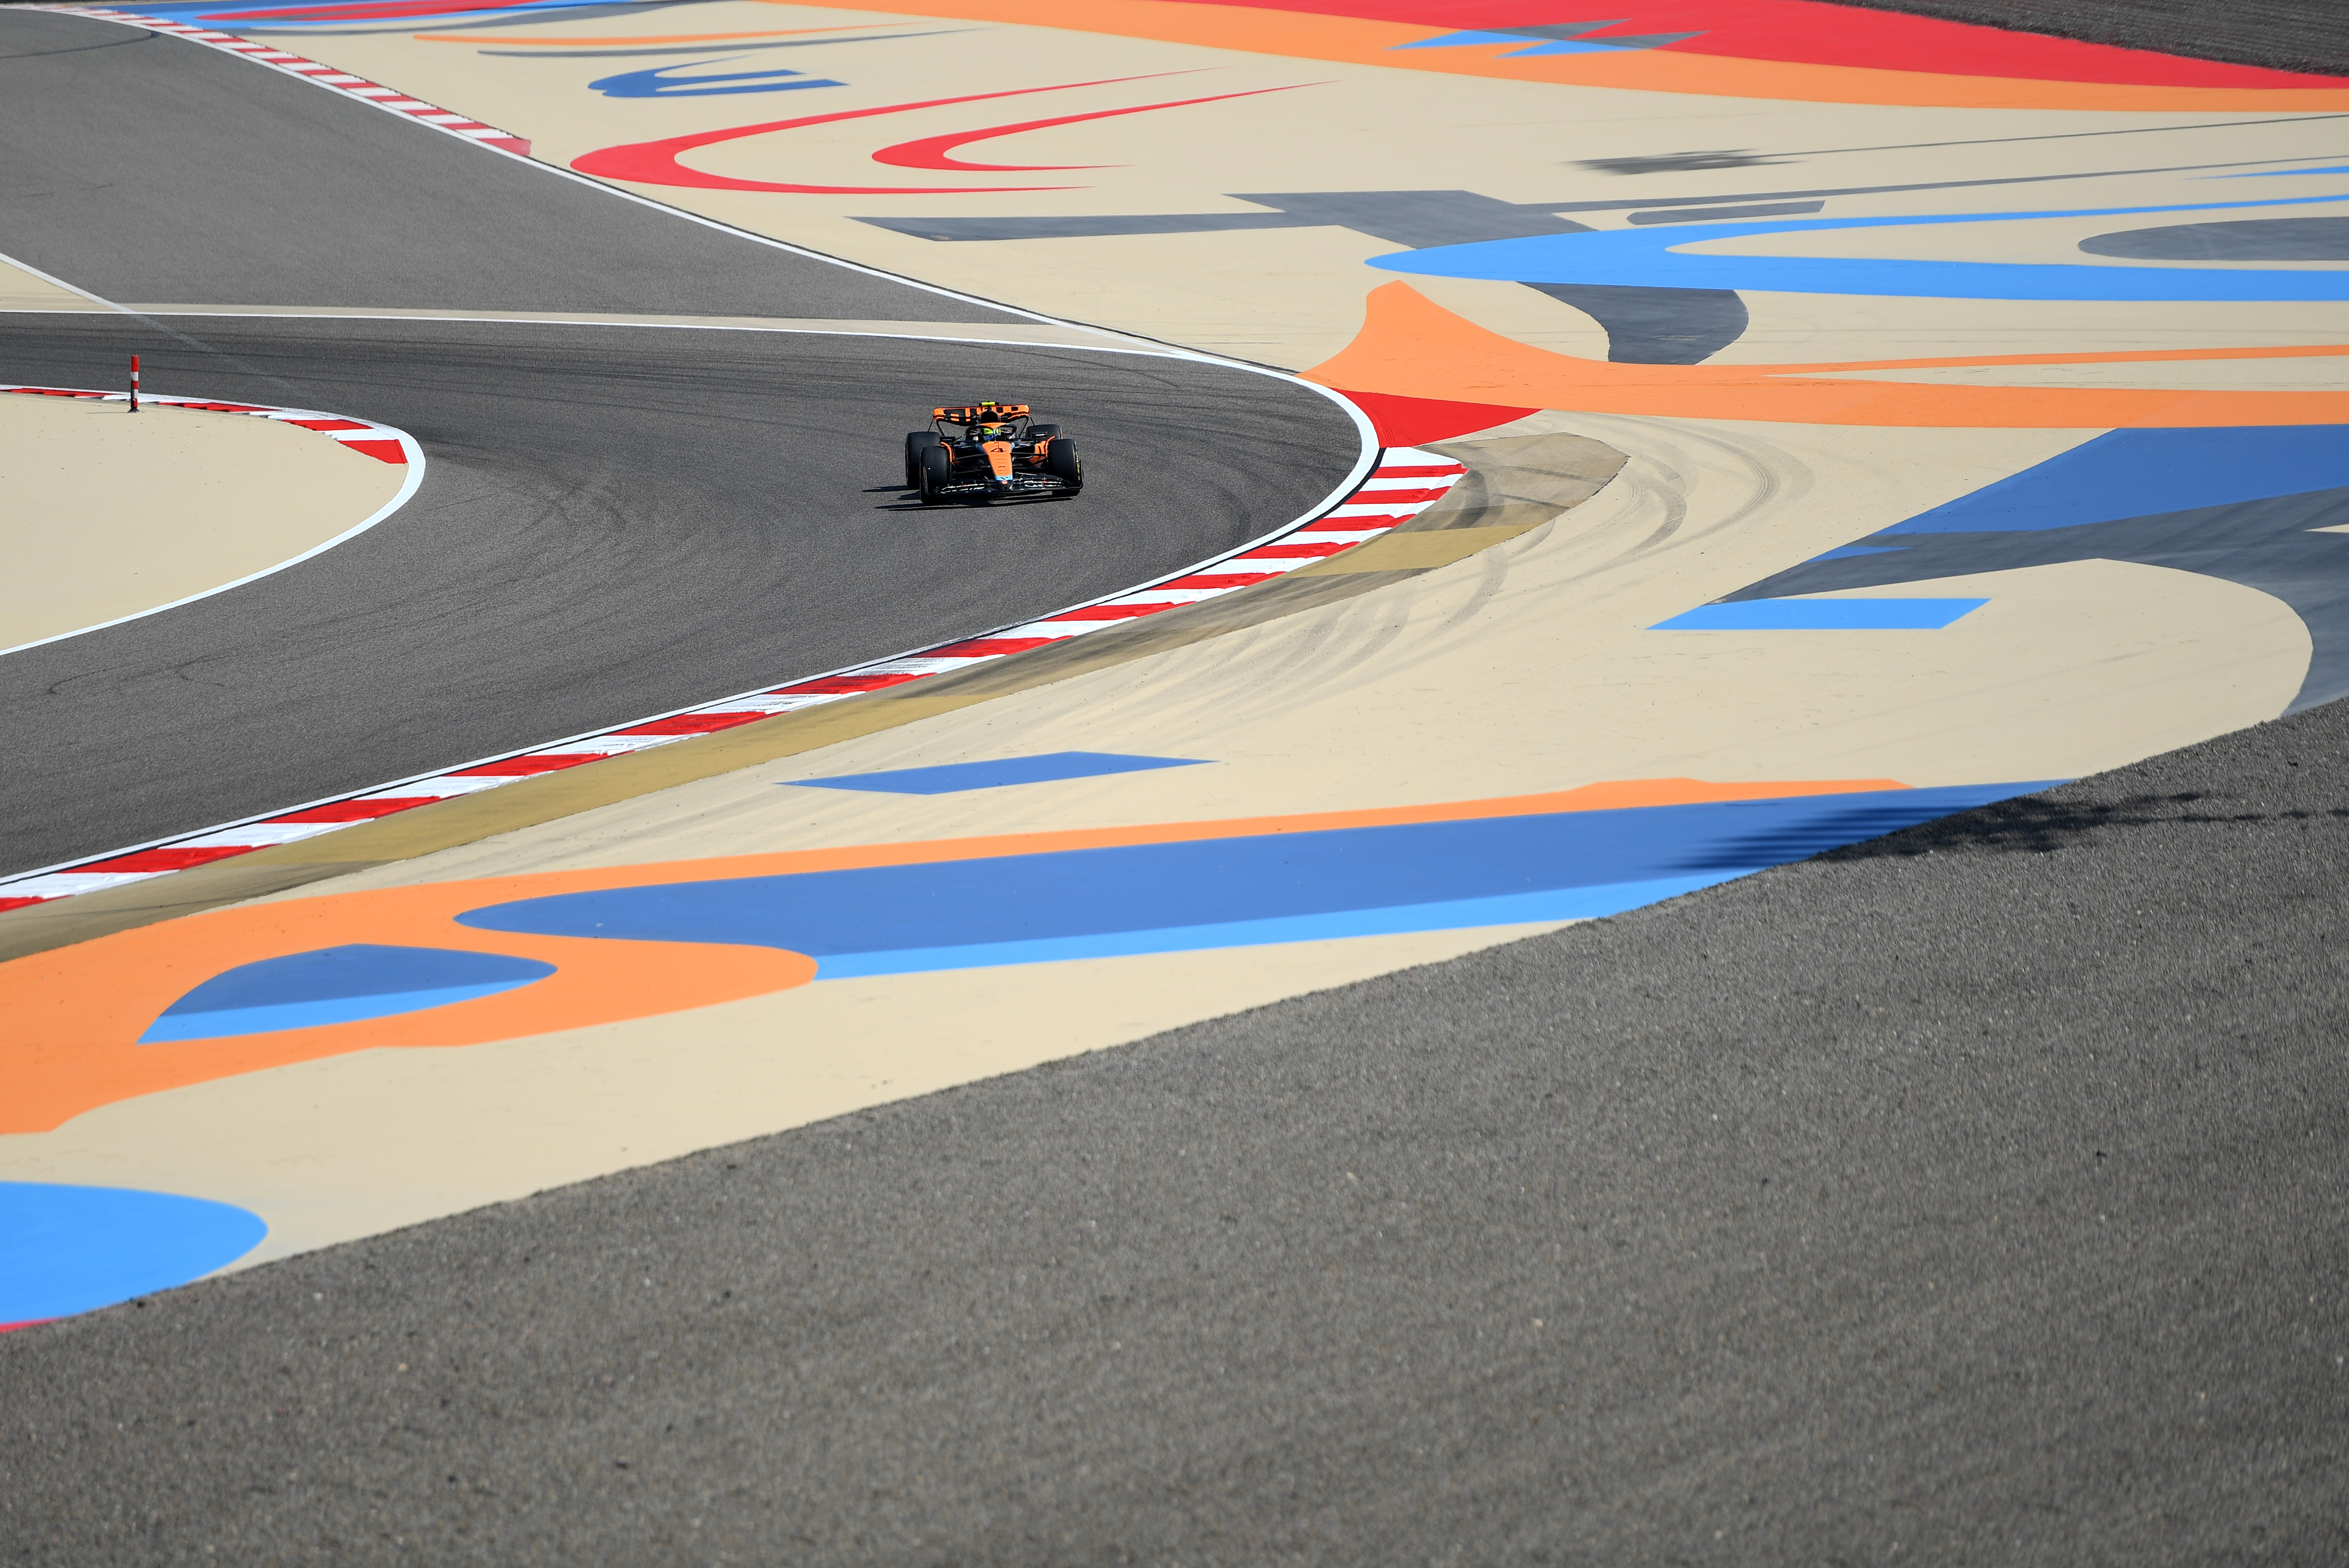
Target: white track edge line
column 407, row 487
column 1363, row 467
column 108, row 14
column 1364, row 463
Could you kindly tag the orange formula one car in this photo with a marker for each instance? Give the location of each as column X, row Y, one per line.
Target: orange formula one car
column 979, row 451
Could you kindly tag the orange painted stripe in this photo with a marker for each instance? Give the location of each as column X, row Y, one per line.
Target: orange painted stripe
column 1412, row 347
column 1301, row 35
column 74, row 1014
column 2117, row 357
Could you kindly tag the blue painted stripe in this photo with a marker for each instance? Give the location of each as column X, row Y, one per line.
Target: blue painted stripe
column 1284, row 887
column 337, row 985
column 1461, row 914
column 65, row 1250
column 1845, row 552
column 224, row 1023
column 1822, row 615
column 2146, row 472
column 952, row 777
column 1665, row 258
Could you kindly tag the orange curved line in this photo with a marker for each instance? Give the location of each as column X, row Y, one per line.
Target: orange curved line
column 1411, row 346
column 656, row 162
column 74, row 1014
column 930, row 152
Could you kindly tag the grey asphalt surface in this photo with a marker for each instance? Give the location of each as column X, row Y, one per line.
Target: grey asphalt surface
column 1973, row 1196
column 148, row 170
column 1970, row 1196
column 2281, row 34
column 613, row 522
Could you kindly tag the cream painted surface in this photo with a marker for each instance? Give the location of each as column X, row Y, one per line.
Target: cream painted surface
column 1524, row 669
column 109, row 512
column 22, row 290
column 1292, row 296
column 1810, row 328
column 1528, row 668
column 327, row 1151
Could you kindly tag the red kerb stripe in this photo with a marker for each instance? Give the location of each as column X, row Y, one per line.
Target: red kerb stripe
column 989, row 646
column 691, row 724
column 169, row 859
column 843, row 685
column 356, row 810
column 523, row 767
column 1221, row 580
column 1113, row 612
column 1295, row 551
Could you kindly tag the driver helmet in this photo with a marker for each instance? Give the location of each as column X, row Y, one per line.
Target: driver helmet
column 993, row 432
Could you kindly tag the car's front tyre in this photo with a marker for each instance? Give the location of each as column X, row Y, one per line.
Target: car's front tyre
column 934, row 470
column 916, row 442
column 1061, row 461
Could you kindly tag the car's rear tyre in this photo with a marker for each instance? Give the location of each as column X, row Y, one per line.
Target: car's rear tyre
column 916, row 442
column 933, row 472
column 1061, row 461
column 1042, row 433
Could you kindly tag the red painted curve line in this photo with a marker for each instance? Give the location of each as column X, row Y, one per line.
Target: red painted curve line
column 930, row 152
column 656, row 162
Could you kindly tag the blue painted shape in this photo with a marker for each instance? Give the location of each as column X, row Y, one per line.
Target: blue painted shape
column 1601, row 45
column 1457, row 914
column 1463, row 40
column 1272, row 888
column 337, row 985
column 1660, row 257
column 656, row 82
column 1845, row 552
column 1822, row 615
column 2142, row 472
column 65, row 1250
column 1564, row 46
column 953, row 777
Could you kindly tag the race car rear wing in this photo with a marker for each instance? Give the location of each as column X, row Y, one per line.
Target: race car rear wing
column 979, row 413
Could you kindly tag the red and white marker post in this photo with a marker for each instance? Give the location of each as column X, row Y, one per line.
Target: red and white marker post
column 134, row 383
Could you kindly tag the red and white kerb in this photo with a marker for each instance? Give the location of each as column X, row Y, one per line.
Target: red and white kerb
column 1405, row 482
column 378, row 441
column 342, row 81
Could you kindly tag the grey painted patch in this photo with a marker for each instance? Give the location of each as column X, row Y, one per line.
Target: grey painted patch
column 2264, row 545
column 1436, row 211
column 2252, row 239
column 1713, row 214
column 1680, row 162
column 1557, row 32
column 1417, row 218
column 1656, row 326
column 1412, row 218
column 953, row 229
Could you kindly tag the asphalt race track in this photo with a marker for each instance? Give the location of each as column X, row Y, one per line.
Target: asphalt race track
column 192, row 178
column 1971, row 1196
column 614, row 521
column 1975, row 1195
